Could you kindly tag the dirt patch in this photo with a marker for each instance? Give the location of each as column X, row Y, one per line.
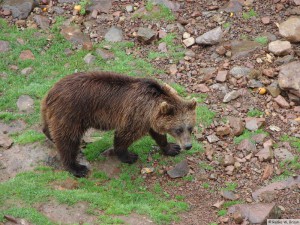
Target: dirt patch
column 135, row 219
column 21, row 158
column 64, row 214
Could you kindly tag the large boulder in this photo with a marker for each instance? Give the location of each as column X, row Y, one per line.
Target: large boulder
column 289, row 78
column 290, row 29
column 19, row 8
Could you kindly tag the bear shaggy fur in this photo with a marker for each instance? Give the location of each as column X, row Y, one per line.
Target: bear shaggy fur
column 133, row 107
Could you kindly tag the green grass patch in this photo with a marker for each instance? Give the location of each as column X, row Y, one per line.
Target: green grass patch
column 248, row 135
column 250, row 14
column 255, row 113
column 206, row 166
column 226, row 25
column 294, row 141
column 262, row 40
column 204, row 115
column 222, row 212
column 29, row 136
column 231, row 186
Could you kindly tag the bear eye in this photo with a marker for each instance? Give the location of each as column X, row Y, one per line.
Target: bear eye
column 179, row 130
column 190, row 129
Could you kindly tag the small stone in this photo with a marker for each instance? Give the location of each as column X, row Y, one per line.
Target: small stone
column 88, row 46
column 129, row 8
column 253, row 123
column 42, row 21
column 265, row 155
column 222, row 76
column 145, row 35
column 162, row 47
column 259, row 138
column 89, row 58
column 247, row 146
column 114, row 34
column 282, row 154
column 268, row 171
column 265, row 20
column 5, row 141
column 211, row 37
column 239, row 72
column 173, row 69
column 180, row 170
column 4, row 46
column 202, row 88
column 229, row 195
column 282, row 102
column 280, row 48
column 212, row 138
column 268, row 72
column 21, row 23
column 228, row 160
column 26, row 54
column 229, row 170
column 190, row 53
column 237, row 125
column 221, row 50
column 105, row 54
column 186, row 35
column 289, row 29
column 25, row 103
column 274, row 89
column 223, row 130
column 237, row 217
column 26, row 71
column 231, row 96
column 189, row 42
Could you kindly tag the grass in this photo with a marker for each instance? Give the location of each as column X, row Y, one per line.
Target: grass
column 295, row 142
column 226, row 25
column 222, row 212
column 156, row 13
column 29, row 136
column 230, row 186
column 248, row 135
column 176, row 52
column 250, row 14
column 262, row 40
column 84, row 4
column 255, row 113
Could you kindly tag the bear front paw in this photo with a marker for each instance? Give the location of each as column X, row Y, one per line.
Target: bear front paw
column 129, row 157
column 172, row 149
column 78, row 170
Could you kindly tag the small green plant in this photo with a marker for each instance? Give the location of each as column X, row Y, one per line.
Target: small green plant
column 83, row 4
column 206, row 185
column 205, row 166
column 189, row 178
column 230, row 186
column 156, row 13
column 261, row 40
column 250, row 14
column 222, row 212
column 255, row 113
column 248, row 135
column 29, row 136
column 295, row 142
column 226, row 25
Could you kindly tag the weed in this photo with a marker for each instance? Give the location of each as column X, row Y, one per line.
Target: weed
column 84, row 4
column 248, row 135
column 295, row 141
column 250, row 14
column 255, row 113
column 262, row 40
column 230, row 186
column 206, row 166
column 226, row 25
column 226, row 205
column 156, row 13
column 29, row 136
column 206, row 185
column 205, row 115
column 189, row 178
column 222, row 212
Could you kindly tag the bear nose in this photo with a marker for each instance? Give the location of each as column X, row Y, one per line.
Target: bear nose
column 188, row 146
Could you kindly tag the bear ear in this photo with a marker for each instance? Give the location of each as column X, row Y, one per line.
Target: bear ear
column 192, row 104
column 166, row 109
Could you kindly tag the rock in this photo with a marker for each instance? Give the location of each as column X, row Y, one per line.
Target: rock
column 42, row 21
column 237, row 217
column 231, row 96
column 89, row 58
column 233, row 6
column 58, row 10
column 173, row 69
column 211, row 37
column 265, row 155
column 145, row 35
column 4, row 46
column 129, row 8
column 259, row 138
column 280, row 47
column 268, row 72
column 221, row 50
column 180, row 170
column 229, row 195
column 257, row 213
column 229, row 170
column 114, row 34
column 282, row 102
column 237, row 125
column 25, row 103
column 73, row 34
column 221, row 76
column 26, row 54
column 21, row 23
column 265, row 20
column 284, row 60
column 228, row 160
column 189, row 42
column 26, row 71
column 290, row 29
column 279, row 185
column 202, row 88
column 186, row 35
column 282, row 154
column 190, row 53
column 5, row 141
column 20, row 8
column 223, row 130
column 289, row 79
column 105, row 54
column 296, row 2
column 274, row 89
column 100, row 5
column 240, row 71
column 174, row 6
column 253, row 123
column 254, row 83
column 268, row 196
column 268, row 171
column 247, row 145
column 162, row 47
column 212, row 138
column 242, row 49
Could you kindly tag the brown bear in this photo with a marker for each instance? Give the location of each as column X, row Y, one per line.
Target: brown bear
column 133, row 107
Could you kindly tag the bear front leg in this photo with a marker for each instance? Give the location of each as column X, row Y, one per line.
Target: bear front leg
column 122, row 141
column 170, row 149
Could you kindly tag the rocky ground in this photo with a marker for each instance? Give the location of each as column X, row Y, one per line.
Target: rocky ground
column 244, row 54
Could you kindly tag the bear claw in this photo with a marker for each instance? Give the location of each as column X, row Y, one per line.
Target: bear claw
column 172, row 149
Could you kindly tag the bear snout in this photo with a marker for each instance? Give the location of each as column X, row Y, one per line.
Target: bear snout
column 188, row 146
